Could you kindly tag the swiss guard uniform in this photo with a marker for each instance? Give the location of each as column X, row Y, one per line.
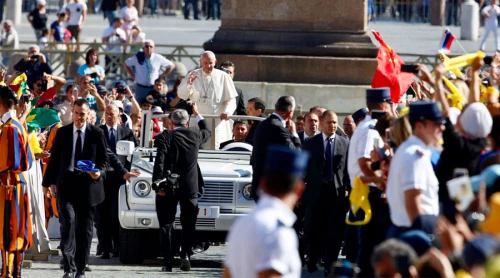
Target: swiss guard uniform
column 15, row 224
column 50, row 203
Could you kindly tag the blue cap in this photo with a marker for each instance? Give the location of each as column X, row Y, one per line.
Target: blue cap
column 424, row 110
column 282, row 159
column 101, row 89
column 478, row 250
column 120, row 83
column 418, row 240
column 358, row 115
column 378, row 95
column 489, row 176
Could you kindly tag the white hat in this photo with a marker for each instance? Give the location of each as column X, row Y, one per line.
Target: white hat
column 476, row 120
column 453, row 115
column 118, row 104
column 41, row 2
column 157, row 109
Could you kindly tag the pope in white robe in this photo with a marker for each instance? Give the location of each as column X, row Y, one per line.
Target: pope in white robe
column 214, row 93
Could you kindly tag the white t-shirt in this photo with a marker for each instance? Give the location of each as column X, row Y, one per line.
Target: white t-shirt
column 110, row 47
column 264, row 240
column 127, row 13
column 361, row 145
column 411, row 168
column 147, row 73
column 76, row 11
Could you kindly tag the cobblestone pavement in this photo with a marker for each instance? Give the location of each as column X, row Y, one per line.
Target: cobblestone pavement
column 206, row 264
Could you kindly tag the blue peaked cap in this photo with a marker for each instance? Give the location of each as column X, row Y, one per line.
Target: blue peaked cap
column 282, row 159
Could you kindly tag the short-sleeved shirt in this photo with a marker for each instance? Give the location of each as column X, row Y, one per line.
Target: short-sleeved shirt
column 361, row 145
column 85, row 69
column 58, row 31
column 149, row 71
column 113, row 44
column 76, row 12
column 494, row 12
column 264, row 240
column 127, row 13
column 39, row 20
column 411, row 168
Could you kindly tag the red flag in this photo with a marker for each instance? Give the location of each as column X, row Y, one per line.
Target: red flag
column 388, row 73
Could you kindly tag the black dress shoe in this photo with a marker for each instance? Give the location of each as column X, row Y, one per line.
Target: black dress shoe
column 197, row 249
column 80, row 275
column 87, row 268
column 69, row 275
column 166, row 269
column 105, row 256
column 185, row 264
column 312, row 268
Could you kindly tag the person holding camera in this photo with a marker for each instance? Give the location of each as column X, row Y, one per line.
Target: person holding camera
column 177, row 179
column 122, row 93
column 88, row 90
column 114, row 36
column 34, row 65
column 41, row 91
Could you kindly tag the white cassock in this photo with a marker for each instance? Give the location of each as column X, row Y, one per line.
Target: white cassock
column 214, row 94
column 40, row 235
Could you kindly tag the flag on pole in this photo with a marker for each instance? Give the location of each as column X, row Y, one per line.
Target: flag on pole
column 446, row 41
column 388, row 73
column 41, row 117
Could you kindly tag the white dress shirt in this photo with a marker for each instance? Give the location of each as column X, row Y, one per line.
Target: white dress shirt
column 411, row 168
column 268, row 239
column 75, row 137
column 361, row 146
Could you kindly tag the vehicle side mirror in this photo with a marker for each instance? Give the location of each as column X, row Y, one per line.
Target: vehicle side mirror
column 125, row 148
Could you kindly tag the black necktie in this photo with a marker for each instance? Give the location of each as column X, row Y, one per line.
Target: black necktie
column 328, row 172
column 112, row 139
column 78, row 147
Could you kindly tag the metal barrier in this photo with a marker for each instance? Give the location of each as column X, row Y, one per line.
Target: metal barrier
column 402, row 10
column 60, row 60
column 187, row 54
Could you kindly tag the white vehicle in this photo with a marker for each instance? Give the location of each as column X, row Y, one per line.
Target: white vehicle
column 227, row 175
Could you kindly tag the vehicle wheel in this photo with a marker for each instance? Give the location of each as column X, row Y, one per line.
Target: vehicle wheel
column 130, row 247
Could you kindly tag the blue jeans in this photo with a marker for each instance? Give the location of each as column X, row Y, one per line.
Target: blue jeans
column 111, row 15
column 153, row 5
column 141, row 92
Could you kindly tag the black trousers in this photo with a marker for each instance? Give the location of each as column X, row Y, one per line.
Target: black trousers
column 166, row 208
column 373, row 233
column 107, row 223
column 325, row 226
column 76, row 218
column 194, row 4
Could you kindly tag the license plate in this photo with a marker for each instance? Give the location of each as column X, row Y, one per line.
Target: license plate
column 203, row 212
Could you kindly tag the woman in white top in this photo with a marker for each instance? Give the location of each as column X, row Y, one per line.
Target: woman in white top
column 136, row 39
column 130, row 16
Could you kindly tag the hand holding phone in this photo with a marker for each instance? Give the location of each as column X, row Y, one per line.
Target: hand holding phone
column 93, row 75
column 409, row 68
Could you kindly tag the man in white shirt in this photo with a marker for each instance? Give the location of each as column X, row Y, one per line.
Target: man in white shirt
column 491, row 13
column 145, row 67
column 77, row 13
column 412, row 186
column 311, row 127
column 9, row 40
column 114, row 37
column 214, row 92
column 364, row 138
column 264, row 243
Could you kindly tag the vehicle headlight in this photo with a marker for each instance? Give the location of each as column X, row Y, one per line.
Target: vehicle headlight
column 247, row 189
column 142, row 188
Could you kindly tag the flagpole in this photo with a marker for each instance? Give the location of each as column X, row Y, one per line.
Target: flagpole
column 459, row 44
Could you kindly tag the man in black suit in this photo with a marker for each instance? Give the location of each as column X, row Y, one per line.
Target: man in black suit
column 311, row 127
column 178, row 152
column 325, row 196
column 240, row 100
column 240, row 131
column 108, row 225
column 255, row 107
column 78, row 192
column 278, row 129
